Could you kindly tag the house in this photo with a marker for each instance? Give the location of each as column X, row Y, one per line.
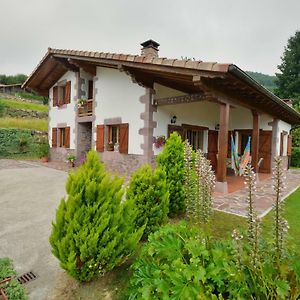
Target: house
column 108, row 101
column 11, row 88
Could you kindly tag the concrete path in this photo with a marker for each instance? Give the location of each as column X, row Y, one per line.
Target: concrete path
column 236, row 202
column 29, row 195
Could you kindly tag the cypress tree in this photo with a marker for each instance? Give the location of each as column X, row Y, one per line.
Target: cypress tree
column 171, row 159
column 93, row 231
column 149, row 191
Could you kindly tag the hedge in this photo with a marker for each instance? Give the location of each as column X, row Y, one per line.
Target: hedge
column 295, row 159
column 20, row 143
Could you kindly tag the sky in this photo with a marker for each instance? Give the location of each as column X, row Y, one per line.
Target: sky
column 249, row 33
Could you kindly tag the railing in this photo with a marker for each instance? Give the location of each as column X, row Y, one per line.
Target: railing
column 86, row 109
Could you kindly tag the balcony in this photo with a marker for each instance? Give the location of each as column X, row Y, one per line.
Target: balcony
column 86, row 108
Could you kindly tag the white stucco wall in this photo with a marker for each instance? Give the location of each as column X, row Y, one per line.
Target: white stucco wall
column 66, row 113
column 118, row 97
column 283, row 127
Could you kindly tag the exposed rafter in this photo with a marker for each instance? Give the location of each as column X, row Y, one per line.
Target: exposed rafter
column 67, row 64
column 189, row 98
column 89, row 68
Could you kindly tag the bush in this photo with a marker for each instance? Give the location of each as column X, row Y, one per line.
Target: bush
column 18, row 142
column 149, row 191
column 172, row 161
column 94, row 231
column 13, row 290
column 295, row 158
column 181, row 263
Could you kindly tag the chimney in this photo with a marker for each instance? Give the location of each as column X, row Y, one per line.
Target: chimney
column 150, row 48
column 289, row 102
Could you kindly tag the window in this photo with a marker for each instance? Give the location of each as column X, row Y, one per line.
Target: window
column 195, row 138
column 62, row 137
column 62, row 94
column 91, row 90
column 114, row 134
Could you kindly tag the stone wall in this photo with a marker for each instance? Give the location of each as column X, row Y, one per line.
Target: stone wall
column 84, row 138
column 61, row 154
column 24, row 113
column 122, row 164
column 285, row 162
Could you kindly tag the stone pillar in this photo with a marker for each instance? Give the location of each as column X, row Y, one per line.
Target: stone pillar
column 255, row 141
column 221, row 184
column 275, row 141
column 149, row 124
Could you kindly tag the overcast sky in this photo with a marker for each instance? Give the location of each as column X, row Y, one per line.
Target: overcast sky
column 250, row 33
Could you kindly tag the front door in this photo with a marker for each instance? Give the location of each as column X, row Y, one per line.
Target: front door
column 265, row 150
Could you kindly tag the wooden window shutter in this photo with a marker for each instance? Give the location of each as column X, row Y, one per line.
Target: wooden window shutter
column 67, row 92
column 54, row 137
column 289, row 146
column 100, row 138
column 123, row 147
column 55, row 96
column 281, row 144
column 67, row 137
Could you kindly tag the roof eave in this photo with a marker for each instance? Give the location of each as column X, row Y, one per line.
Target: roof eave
column 235, row 70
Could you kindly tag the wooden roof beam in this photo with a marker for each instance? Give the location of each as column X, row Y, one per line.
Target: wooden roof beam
column 189, row 98
column 89, row 68
column 66, row 64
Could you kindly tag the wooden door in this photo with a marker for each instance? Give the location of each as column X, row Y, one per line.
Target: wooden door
column 213, row 148
column 265, row 151
column 178, row 129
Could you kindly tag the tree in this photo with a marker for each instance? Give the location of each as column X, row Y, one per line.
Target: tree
column 94, row 230
column 149, row 191
column 288, row 81
column 172, row 161
column 12, row 79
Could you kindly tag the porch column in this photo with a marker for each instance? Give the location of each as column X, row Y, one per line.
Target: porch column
column 255, row 141
column 221, row 184
column 275, row 141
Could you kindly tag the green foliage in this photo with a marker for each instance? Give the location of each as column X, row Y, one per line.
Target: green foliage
column 295, row 158
column 171, row 159
column 9, row 103
column 13, row 290
column 2, row 109
column 15, row 142
column 44, row 149
column 179, row 263
column 32, row 96
column 296, row 137
column 149, row 191
column 12, row 79
column 288, row 81
column 94, row 230
column 265, row 80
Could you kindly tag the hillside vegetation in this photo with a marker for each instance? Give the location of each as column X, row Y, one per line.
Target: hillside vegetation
column 23, row 127
column 265, row 80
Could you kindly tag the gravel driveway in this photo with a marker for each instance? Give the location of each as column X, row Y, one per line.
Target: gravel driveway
column 29, row 195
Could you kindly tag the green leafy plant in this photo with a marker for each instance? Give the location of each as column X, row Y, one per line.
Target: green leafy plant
column 171, row 159
column 149, row 191
column 295, row 158
column 71, row 158
column 13, row 289
column 94, row 230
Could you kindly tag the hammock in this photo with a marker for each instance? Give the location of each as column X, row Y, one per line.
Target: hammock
column 238, row 164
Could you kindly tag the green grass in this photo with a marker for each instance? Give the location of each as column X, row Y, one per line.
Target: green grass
column 37, row 124
column 23, row 105
column 291, row 214
column 30, row 96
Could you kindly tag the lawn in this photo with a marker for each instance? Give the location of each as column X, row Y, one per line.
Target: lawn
column 113, row 284
column 23, row 105
column 35, row 124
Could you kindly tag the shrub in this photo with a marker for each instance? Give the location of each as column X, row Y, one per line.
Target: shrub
column 13, row 290
column 171, row 159
column 149, row 191
column 94, row 231
column 178, row 263
column 295, row 158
